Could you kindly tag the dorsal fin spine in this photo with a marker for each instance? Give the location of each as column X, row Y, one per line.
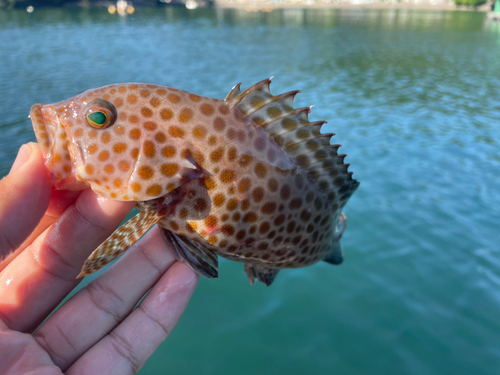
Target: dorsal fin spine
column 305, row 110
column 234, row 92
column 287, row 139
column 255, row 87
column 298, row 111
column 325, row 135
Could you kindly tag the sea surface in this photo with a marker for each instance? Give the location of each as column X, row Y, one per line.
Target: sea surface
column 414, row 98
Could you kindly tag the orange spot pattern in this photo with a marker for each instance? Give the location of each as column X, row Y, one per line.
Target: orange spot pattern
column 168, row 151
column 176, row 132
column 150, row 125
column 174, row 98
column 149, row 149
column 146, row 112
column 199, row 132
column 154, row 190
column 169, row 170
column 124, row 165
column 166, row 114
column 185, row 115
column 103, row 156
column 135, row 134
column 227, row 176
column 145, row 172
column 207, row 109
column 119, row 147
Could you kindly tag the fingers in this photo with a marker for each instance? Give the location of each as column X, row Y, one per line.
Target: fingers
column 99, row 307
column 129, row 345
column 20, row 354
column 24, row 198
column 34, row 283
column 60, row 200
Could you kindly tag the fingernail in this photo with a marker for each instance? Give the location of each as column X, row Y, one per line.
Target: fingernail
column 22, row 157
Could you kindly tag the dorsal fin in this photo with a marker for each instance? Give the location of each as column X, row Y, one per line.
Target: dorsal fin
column 300, row 138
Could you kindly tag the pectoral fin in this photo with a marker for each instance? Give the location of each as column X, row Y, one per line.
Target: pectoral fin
column 197, row 256
column 264, row 275
column 120, row 241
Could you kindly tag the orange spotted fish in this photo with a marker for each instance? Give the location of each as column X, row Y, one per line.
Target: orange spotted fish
column 248, row 178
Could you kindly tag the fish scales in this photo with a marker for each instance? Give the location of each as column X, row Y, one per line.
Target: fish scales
column 248, row 178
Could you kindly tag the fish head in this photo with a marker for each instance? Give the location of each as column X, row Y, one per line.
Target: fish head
column 121, row 140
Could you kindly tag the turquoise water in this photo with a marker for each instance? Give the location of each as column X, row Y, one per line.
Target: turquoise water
column 414, row 98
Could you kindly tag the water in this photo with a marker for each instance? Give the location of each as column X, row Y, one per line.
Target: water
column 414, row 98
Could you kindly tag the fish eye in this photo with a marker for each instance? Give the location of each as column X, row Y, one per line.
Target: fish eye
column 100, row 114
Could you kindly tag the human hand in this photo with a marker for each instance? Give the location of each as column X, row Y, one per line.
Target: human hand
column 49, row 234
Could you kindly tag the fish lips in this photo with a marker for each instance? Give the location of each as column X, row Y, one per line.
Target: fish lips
column 44, row 130
column 51, row 137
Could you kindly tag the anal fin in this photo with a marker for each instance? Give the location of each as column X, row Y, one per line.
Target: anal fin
column 120, row 241
column 202, row 260
column 264, row 275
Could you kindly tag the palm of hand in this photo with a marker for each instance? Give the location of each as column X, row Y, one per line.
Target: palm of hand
column 48, row 235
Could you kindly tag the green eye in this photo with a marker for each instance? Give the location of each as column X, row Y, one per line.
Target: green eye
column 97, row 118
column 100, row 114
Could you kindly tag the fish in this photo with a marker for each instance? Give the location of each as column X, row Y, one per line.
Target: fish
column 248, row 178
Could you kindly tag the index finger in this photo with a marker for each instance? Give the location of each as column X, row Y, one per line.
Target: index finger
column 33, row 177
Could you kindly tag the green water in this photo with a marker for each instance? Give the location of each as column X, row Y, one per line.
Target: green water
column 414, row 98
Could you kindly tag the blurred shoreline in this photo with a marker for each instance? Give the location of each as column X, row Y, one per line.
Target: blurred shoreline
column 269, row 5
column 266, row 5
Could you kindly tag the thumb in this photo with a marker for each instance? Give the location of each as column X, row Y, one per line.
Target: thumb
column 24, row 198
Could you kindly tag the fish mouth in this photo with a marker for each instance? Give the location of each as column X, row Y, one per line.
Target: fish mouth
column 44, row 131
column 51, row 136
